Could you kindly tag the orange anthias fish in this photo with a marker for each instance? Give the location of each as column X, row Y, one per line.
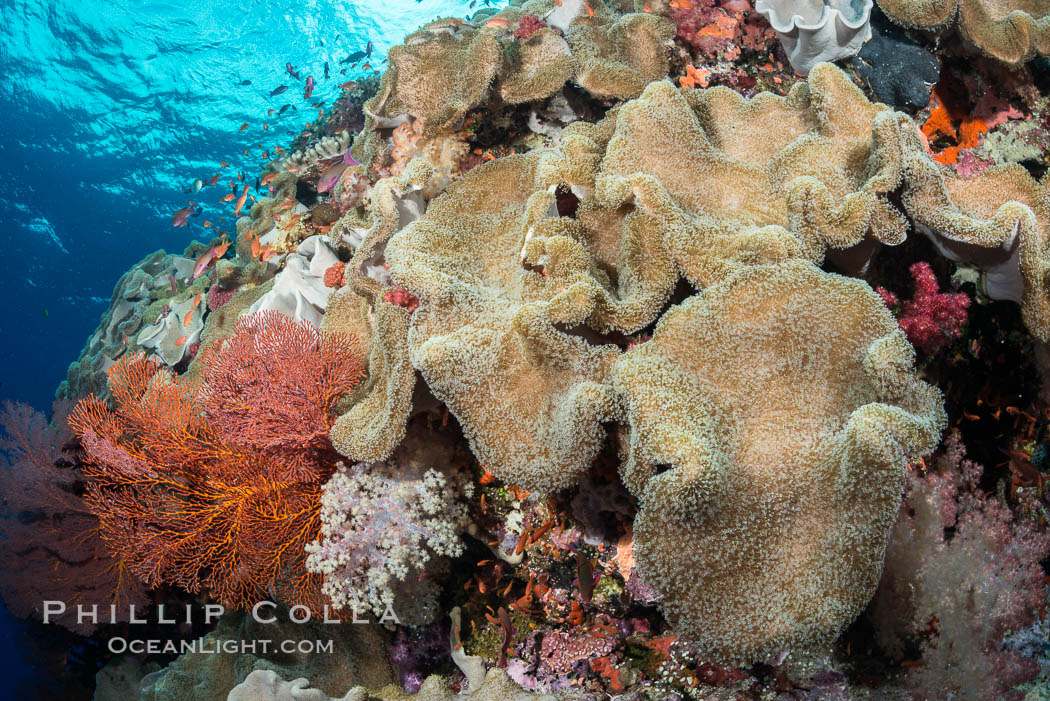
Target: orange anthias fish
column 207, row 223
column 214, row 179
column 266, row 253
column 188, row 319
column 230, row 197
column 180, row 341
column 240, row 201
column 197, row 297
column 254, row 240
column 498, row 22
column 243, row 127
column 180, row 217
column 204, row 261
column 220, row 251
column 267, row 179
column 224, row 164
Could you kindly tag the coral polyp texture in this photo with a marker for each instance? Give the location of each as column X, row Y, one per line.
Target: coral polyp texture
column 200, row 500
column 771, row 418
column 1008, row 31
column 485, row 336
column 996, row 220
column 724, row 190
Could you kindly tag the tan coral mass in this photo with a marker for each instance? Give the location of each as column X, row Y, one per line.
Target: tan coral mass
column 770, row 419
column 491, row 334
column 1009, row 30
column 729, row 190
column 999, row 220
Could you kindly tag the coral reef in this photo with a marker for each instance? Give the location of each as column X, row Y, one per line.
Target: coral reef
column 959, row 594
column 52, row 547
column 529, row 397
column 995, row 220
column 211, row 505
column 820, row 181
column 222, row 661
column 563, row 386
column 931, row 318
column 265, row 685
column 450, row 67
column 779, row 459
column 149, row 284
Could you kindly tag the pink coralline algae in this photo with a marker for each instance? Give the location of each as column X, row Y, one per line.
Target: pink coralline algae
column 527, row 26
column 333, row 277
column 931, row 319
column 218, row 296
column 559, row 650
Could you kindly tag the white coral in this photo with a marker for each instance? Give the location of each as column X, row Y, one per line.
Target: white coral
column 812, row 31
column 380, row 532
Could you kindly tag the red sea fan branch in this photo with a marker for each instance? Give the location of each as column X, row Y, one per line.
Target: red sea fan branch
column 272, row 386
column 219, row 489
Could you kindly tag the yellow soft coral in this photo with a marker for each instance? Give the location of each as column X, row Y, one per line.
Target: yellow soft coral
column 770, row 418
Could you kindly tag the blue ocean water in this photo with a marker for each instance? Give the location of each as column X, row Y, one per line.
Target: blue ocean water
column 108, row 110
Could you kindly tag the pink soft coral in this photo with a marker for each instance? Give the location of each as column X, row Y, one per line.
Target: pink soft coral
column 527, row 26
column 961, row 573
column 931, row 319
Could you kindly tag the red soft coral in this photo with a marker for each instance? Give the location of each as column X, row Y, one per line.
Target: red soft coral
column 402, row 298
column 931, row 319
column 333, row 276
column 528, row 25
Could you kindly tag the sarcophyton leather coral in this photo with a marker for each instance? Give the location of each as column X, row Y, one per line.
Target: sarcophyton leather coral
column 372, row 419
column 449, row 67
column 1009, row 31
column 486, row 335
column 722, row 188
column 770, row 418
column 998, row 220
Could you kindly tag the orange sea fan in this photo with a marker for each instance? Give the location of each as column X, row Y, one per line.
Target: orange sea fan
column 187, row 494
